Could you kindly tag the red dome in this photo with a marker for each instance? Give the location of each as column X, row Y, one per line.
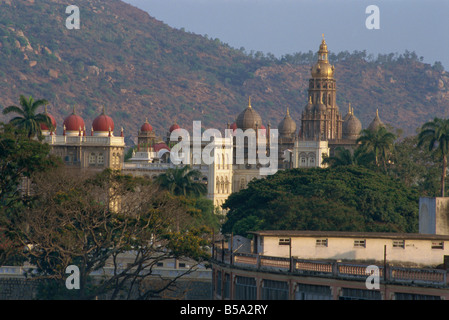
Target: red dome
column 103, row 123
column 159, row 146
column 53, row 122
column 174, row 127
column 73, row 123
column 146, row 127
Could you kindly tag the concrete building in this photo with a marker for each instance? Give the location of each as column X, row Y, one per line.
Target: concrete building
column 311, row 265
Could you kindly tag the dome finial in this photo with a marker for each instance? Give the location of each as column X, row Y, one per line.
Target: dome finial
column 104, row 111
column 288, row 111
column 349, row 108
column 377, row 112
column 249, row 102
column 74, row 109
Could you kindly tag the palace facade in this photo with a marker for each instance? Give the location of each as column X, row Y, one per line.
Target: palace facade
column 322, row 129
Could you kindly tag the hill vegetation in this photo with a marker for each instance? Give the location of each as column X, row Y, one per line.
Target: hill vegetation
column 137, row 66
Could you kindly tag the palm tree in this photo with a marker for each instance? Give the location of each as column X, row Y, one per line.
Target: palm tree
column 181, row 181
column 435, row 134
column 27, row 118
column 379, row 141
column 344, row 157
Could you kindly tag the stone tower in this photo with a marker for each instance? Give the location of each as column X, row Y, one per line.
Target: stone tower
column 321, row 119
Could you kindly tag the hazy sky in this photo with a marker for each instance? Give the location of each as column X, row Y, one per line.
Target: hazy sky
column 288, row 26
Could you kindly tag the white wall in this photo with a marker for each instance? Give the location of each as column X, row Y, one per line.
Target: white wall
column 415, row 251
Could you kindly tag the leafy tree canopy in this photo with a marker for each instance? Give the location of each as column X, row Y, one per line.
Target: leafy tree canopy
column 345, row 198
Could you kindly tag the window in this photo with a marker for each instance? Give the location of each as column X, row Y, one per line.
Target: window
column 284, row 241
column 321, row 242
column 92, row 158
column 399, row 244
column 100, row 158
column 274, row 290
column 182, row 265
column 245, row 288
column 437, row 244
column 359, row 243
column 160, row 264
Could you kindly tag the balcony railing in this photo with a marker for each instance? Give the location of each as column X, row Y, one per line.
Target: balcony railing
column 324, row 268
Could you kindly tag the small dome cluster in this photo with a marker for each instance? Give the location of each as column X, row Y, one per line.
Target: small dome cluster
column 74, row 125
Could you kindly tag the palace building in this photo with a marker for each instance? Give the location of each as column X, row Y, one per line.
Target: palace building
column 96, row 150
column 322, row 129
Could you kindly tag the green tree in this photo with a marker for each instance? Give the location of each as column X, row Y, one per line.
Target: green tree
column 342, row 198
column 20, row 158
column 26, row 118
column 435, row 134
column 415, row 166
column 182, row 182
column 380, row 142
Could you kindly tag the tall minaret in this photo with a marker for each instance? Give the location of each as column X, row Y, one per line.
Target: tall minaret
column 322, row 120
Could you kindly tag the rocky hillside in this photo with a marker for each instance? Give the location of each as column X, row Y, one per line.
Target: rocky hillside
column 137, row 67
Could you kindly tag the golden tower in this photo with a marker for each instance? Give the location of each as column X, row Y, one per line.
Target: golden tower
column 321, row 119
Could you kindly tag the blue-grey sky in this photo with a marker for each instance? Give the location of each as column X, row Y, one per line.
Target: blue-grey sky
column 288, row 26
